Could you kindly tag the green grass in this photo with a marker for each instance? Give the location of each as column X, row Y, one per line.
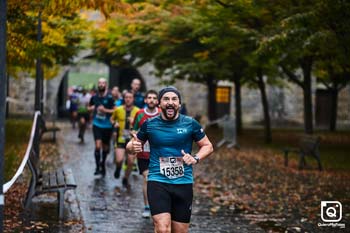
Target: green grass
column 16, row 140
column 334, row 146
column 83, row 79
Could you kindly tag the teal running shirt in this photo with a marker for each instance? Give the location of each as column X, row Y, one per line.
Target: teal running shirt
column 167, row 139
column 101, row 119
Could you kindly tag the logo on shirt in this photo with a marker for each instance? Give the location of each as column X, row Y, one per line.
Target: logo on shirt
column 181, row 130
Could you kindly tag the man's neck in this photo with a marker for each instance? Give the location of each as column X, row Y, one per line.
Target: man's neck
column 150, row 110
column 128, row 108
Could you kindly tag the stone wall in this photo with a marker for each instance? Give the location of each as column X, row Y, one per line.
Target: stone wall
column 285, row 103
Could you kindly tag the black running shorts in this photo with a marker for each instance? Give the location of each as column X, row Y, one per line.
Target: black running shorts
column 175, row 199
column 86, row 116
column 142, row 164
column 103, row 134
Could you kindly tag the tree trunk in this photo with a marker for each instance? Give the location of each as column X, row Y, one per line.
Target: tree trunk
column 238, row 104
column 308, row 115
column 211, row 84
column 265, row 104
column 334, row 109
column 7, row 95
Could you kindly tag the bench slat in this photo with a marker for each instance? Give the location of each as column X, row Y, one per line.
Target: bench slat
column 69, row 178
column 45, row 180
column 60, row 178
column 53, row 181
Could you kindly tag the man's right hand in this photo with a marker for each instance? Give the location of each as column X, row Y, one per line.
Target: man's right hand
column 136, row 145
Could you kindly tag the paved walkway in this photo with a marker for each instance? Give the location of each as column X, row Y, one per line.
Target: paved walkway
column 105, row 206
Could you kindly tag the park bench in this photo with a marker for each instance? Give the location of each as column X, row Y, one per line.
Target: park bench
column 307, row 146
column 58, row 180
column 44, row 129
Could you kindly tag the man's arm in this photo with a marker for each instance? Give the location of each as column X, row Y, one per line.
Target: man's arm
column 205, row 149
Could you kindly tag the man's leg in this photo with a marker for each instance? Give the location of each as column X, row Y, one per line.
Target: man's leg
column 162, row 223
column 130, row 164
column 119, row 157
column 82, row 126
column 146, row 212
column 179, row 227
column 98, row 145
column 144, row 187
column 105, row 153
column 106, row 140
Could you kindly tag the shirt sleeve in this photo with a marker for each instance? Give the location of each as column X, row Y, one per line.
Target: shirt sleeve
column 136, row 121
column 114, row 115
column 142, row 134
column 92, row 101
column 198, row 132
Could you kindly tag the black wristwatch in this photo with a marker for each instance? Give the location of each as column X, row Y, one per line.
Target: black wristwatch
column 196, row 158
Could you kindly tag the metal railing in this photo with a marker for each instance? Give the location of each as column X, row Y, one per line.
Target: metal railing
column 228, row 124
column 33, row 142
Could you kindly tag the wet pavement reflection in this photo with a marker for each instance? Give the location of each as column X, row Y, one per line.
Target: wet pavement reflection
column 105, row 206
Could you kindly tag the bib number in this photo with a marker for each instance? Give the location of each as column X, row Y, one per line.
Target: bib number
column 126, row 134
column 101, row 116
column 171, row 167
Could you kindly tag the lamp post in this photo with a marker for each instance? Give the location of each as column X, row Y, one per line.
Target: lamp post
column 39, row 72
column 38, row 87
column 3, row 10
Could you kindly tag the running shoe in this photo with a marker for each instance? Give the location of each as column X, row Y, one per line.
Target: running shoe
column 103, row 169
column 97, row 171
column 146, row 212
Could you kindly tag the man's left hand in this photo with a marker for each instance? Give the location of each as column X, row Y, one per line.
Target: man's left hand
column 188, row 158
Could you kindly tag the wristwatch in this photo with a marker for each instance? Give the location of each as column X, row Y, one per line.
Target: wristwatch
column 196, row 158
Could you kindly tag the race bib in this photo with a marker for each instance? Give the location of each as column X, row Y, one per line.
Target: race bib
column 101, row 115
column 126, row 134
column 146, row 147
column 171, row 167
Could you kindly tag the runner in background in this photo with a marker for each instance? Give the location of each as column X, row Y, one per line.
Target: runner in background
column 117, row 97
column 118, row 101
column 73, row 108
column 138, row 96
column 122, row 118
column 83, row 112
column 151, row 110
column 101, row 104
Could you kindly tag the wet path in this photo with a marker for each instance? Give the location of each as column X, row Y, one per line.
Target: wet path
column 105, row 206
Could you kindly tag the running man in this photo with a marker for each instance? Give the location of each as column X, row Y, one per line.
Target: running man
column 122, row 118
column 73, row 109
column 170, row 177
column 101, row 104
column 135, row 89
column 83, row 112
column 118, row 101
column 151, row 110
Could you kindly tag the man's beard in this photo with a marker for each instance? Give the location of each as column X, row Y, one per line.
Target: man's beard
column 151, row 106
column 170, row 112
column 101, row 89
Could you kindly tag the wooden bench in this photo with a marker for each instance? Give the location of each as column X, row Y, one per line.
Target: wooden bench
column 307, row 146
column 44, row 129
column 58, row 181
